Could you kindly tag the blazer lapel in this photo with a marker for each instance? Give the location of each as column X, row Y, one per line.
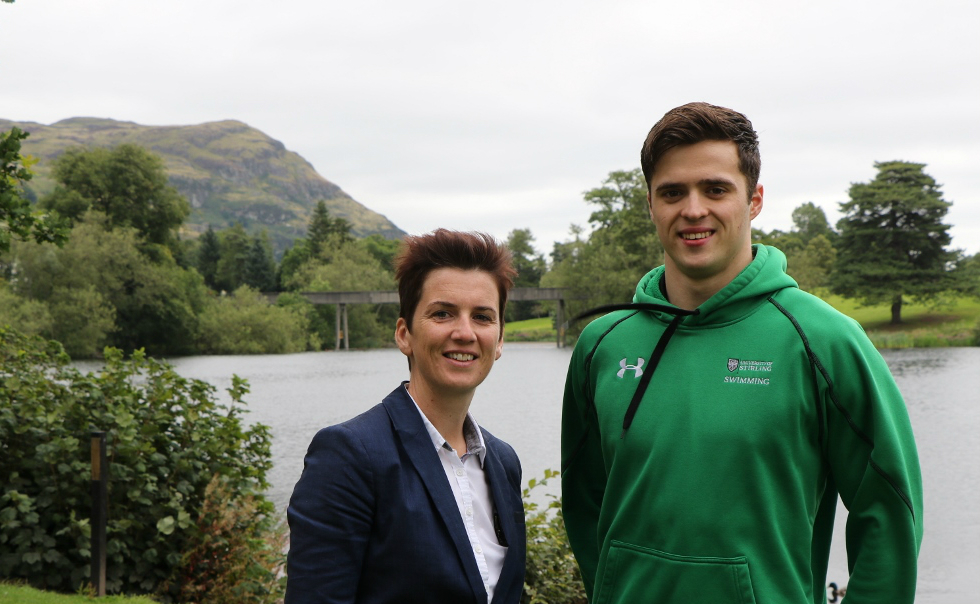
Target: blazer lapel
column 418, row 445
column 503, row 500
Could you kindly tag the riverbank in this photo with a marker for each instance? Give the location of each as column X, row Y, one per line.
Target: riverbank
column 956, row 323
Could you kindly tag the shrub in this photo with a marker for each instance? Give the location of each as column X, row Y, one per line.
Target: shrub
column 232, row 558
column 244, row 323
column 167, row 440
column 552, row 576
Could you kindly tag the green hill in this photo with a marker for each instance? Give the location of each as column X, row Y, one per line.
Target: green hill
column 229, row 172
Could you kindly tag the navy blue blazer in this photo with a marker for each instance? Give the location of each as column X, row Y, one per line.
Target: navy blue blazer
column 374, row 520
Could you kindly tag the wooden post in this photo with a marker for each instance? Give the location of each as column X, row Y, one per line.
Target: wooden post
column 346, row 336
column 100, row 510
column 560, row 323
column 336, row 343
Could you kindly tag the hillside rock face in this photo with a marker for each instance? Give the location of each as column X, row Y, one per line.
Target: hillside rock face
column 229, row 172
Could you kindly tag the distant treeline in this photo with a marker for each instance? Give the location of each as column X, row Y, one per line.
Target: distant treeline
column 102, row 259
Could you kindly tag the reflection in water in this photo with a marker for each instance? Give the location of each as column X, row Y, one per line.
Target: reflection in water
column 520, row 402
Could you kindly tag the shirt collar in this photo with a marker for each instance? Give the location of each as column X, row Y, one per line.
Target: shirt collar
column 471, row 433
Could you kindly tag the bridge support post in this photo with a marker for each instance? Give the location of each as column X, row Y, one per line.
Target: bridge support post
column 346, row 331
column 560, row 323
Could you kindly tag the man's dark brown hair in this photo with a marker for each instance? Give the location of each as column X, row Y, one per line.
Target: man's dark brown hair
column 697, row 122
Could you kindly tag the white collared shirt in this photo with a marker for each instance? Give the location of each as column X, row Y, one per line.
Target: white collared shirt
column 469, row 484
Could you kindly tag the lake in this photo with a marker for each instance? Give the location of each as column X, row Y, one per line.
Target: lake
column 520, row 402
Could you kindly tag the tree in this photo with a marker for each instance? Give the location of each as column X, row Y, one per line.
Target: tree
column 154, row 302
column 623, row 246
column 530, row 267
column 208, row 255
column 127, row 183
column 811, row 266
column 811, row 221
column 322, row 226
column 17, row 217
column 259, row 270
column 348, row 266
column 234, row 251
column 893, row 240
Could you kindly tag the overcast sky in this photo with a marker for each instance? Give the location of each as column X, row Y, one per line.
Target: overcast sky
column 498, row 115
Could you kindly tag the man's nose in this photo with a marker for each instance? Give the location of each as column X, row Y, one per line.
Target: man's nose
column 694, row 206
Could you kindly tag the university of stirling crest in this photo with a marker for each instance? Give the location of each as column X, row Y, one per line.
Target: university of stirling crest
column 732, row 364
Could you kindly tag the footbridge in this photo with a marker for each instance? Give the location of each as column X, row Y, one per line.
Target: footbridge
column 342, row 299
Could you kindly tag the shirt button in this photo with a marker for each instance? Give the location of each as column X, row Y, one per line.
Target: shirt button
column 478, row 549
column 469, row 511
column 459, row 472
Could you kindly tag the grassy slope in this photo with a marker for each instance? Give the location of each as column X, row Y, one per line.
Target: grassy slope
column 229, row 172
column 954, row 324
column 19, row 594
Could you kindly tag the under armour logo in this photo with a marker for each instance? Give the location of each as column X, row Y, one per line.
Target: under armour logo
column 636, row 369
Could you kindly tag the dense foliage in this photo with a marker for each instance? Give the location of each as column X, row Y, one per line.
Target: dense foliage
column 17, row 218
column 168, row 440
column 552, row 576
column 604, row 267
column 893, row 241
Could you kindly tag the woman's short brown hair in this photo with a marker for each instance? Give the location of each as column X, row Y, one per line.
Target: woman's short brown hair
column 442, row 248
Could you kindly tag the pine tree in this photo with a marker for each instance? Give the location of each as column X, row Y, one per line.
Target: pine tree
column 893, row 241
column 208, row 255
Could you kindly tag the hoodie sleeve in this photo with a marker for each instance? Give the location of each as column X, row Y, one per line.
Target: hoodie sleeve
column 583, row 472
column 875, row 465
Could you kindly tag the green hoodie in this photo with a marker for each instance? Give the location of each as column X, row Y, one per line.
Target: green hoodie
column 721, row 484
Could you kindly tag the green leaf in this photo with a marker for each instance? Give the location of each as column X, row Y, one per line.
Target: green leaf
column 166, row 525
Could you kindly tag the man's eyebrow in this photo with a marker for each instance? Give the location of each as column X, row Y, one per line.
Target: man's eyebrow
column 704, row 181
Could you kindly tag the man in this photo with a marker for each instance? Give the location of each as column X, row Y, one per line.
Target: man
column 411, row 501
column 708, row 430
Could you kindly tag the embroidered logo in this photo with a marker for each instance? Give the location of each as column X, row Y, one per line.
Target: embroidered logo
column 752, row 368
column 636, row 369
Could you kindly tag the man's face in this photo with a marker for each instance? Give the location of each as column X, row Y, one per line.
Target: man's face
column 456, row 334
column 702, row 209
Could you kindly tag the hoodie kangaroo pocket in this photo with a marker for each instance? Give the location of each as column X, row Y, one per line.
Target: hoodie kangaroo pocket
column 634, row 574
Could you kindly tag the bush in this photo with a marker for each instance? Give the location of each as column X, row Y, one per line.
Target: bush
column 552, row 576
column 245, row 323
column 167, row 440
column 232, row 558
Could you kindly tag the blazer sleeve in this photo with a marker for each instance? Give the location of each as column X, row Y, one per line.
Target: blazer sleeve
column 330, row 520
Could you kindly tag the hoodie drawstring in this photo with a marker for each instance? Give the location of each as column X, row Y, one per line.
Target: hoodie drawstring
column 658, row 351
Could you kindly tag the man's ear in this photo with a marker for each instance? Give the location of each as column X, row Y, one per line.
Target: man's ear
column 755, row 202
column 403, row 337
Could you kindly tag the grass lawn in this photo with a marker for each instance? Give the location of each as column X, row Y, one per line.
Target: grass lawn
column 954, row 324
column 531, row 330
column 21, row 594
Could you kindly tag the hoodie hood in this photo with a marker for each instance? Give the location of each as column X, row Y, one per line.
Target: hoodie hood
column 762, row 278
